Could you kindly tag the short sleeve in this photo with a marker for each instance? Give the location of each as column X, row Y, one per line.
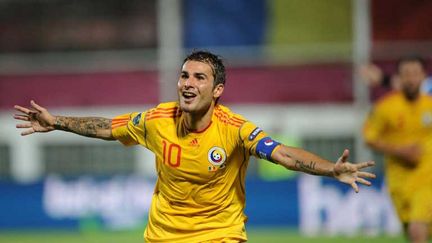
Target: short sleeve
column 129, row 128
column 374, row 125
column 250, row 134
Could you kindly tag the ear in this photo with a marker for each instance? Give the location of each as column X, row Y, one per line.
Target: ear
column 218, row 90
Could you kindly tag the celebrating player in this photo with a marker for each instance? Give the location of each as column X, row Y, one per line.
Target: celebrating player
column 400, row 126
column 202, row 151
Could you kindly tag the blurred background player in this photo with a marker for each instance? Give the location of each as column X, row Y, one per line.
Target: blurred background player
column 374, row 76
column 202, row 151
column 400, row 127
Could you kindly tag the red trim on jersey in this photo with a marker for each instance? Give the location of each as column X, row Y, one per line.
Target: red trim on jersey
column 222, row 114
column 234, row 121
column 166, row 109
column 161, row 116
column 237, row 119
column 225, row 118
column 194, row 131
column 158, row 112
column 118, row 120
column 120, row 124
column 235, row 124
column 162, row 113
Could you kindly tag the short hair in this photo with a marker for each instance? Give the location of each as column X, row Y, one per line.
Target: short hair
column 412, row 58
column 213, row 60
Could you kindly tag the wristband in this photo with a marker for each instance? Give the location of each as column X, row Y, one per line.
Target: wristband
column 265, row 148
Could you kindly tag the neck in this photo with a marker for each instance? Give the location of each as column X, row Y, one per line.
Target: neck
column 411, row 97
column 197, row 122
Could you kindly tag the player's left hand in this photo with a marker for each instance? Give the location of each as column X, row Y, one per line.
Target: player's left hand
column 349, row 173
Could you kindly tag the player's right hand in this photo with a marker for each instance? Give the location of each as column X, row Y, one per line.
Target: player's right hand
column 37, row 118
column 352, row 174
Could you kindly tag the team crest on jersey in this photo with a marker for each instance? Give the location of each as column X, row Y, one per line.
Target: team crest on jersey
column 136, row 119
column 216, row 157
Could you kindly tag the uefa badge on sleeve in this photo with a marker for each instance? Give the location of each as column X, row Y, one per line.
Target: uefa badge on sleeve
column 136, row 119
column 217, row 158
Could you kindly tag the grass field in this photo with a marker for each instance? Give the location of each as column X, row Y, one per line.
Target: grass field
column 255, row 236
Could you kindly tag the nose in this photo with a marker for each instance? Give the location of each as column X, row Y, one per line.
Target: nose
column 188, row 82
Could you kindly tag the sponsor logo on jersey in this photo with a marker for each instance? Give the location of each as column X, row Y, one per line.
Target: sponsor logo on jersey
column 265, row 148
column 217, row 156
column 254, row 133
column 136, row 119
column 194, row 142
column 268, row 142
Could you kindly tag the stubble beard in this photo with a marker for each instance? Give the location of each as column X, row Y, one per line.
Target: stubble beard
column 411, row 94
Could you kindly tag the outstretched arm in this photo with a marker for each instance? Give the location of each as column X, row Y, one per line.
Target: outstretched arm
column 302, row 160
column 38, row 119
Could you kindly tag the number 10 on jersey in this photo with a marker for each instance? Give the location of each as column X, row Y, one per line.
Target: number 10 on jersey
column 171, row 153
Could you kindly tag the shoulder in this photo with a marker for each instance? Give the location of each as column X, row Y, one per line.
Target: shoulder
column 225, row 116
column 166, row 106
column 163, row 110
column 427, row 98
column 386, row 104
column 390, row 99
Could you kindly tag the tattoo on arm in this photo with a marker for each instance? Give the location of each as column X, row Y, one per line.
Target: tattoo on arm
column 306, row 167
column 86, row 126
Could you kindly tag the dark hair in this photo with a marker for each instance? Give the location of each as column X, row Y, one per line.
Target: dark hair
column 213, row 60
column 412, row 58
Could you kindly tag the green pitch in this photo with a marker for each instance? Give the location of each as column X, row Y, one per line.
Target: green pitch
column 255, row 236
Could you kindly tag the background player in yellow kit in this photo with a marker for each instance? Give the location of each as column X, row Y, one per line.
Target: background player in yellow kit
column 202, row 151
column 400, row 126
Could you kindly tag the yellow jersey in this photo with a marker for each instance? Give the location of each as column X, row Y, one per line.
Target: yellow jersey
column 396, row 121
column 200, row 190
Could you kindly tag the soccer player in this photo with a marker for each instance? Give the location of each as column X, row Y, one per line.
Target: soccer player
column 202, row 151
column 373, row 76
column 400, row 126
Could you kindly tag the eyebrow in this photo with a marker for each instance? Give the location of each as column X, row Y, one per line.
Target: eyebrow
column 197, row 74
column 201, row 74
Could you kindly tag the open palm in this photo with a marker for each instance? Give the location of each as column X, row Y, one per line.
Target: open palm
column 37, row 119
column 351, row 173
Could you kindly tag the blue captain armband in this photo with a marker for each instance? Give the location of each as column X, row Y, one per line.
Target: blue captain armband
column 265, row 148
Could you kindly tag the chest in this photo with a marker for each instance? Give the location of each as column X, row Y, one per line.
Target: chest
column 409, row 119
column 195, row 157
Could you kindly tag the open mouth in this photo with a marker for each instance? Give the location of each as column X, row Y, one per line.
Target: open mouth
column 188, row 96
